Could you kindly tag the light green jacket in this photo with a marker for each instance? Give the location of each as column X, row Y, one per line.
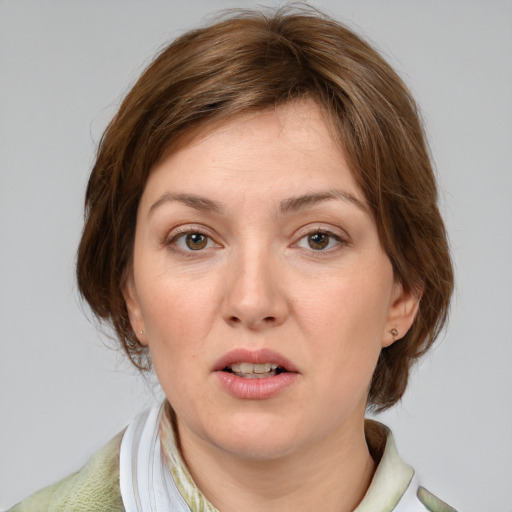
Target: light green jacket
column 95, row 488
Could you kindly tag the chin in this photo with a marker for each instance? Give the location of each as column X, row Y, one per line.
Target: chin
column 259, row 450
column 257, row 439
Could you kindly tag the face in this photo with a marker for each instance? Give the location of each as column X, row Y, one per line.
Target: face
column 261, row 287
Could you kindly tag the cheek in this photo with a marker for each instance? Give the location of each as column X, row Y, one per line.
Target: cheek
column 345, row 334
column 345, row 320
column 177, row 319
column 177, row 324
column 355, row 310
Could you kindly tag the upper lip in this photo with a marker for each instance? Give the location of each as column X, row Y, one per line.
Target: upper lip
column 259, row 356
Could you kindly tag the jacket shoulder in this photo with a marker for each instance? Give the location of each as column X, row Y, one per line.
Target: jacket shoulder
column 433, row 503
column 94, row 488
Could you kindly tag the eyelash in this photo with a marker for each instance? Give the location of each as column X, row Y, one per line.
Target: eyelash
column 340, row 241
column 173, row 239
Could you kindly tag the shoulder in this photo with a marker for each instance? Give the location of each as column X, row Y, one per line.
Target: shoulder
column 395, row 485
column 94, row 488
column 432, row 503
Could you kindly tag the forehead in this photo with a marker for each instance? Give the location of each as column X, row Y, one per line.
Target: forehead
column 291, row 142
column 289, row 117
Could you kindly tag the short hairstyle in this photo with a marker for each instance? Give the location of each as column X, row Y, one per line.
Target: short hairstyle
column 252, row 61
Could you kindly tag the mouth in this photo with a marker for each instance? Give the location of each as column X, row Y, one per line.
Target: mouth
column 255, row 374
column 254, row 364
column 254, row 370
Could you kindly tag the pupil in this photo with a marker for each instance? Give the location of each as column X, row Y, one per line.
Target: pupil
column 196, row 241
column 318, row 241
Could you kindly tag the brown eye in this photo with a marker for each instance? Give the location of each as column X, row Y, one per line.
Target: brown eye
column 318, row 241
column 196, row 241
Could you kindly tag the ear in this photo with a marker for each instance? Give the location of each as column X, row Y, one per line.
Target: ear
column 133, row 307
column 402, row 312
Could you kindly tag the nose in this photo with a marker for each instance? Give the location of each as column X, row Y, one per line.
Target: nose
column 255, row 292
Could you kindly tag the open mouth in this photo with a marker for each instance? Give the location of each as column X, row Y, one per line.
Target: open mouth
column 255, row 374
column 254, row 371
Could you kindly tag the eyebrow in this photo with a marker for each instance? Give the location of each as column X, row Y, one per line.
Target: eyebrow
column 191, row 200
column 289, row 205
column 296, row 203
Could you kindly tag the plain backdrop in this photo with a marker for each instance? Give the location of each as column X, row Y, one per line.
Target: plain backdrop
column 64, row 67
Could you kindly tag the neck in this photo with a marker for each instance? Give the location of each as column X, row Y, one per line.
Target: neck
column 335, row 471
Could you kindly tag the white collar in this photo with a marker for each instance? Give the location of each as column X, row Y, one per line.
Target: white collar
column 144, row 477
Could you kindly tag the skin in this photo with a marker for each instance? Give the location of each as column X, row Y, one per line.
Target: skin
column 260, row 282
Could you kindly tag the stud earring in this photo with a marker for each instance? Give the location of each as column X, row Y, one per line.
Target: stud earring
column 394, row 333
column 141, row 332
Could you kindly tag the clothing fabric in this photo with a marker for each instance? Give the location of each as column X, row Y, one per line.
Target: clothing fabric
column 95, row 488
column 141, row 470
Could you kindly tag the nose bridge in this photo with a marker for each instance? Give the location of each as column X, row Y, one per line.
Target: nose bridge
column 253, row 295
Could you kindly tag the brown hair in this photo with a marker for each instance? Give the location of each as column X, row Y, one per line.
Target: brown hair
column 251, row 62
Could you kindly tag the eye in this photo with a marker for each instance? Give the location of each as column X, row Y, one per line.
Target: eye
column 192, row 241
column 319, row 241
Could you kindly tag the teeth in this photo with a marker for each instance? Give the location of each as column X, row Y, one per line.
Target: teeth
column 250, row 368
column 255, row 375
column 262, row 368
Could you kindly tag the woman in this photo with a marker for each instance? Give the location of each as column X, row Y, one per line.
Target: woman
column 262, row 229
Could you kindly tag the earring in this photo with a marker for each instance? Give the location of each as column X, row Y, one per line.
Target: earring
column 141, row 332
column 394, row 332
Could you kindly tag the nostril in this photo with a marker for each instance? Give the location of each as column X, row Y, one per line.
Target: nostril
column 269, row 319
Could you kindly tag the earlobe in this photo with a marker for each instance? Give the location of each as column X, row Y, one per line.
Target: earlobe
column 403, row 311
column 133, row 308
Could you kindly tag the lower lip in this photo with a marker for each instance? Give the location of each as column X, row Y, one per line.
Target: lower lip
column 256, row 389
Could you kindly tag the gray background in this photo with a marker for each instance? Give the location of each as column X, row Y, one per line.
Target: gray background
column 64, row 66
